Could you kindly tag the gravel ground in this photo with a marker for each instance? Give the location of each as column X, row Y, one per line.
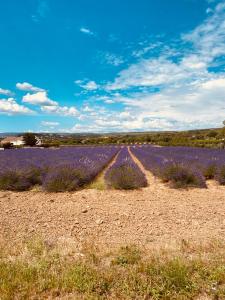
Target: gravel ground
column 156, row 215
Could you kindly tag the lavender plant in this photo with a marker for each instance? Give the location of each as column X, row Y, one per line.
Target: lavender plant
column 48, row 167
column 220, row 175
column 182, row 177
column 64, row 178
column 124, row 173
column 201, row 163
column 13, row 180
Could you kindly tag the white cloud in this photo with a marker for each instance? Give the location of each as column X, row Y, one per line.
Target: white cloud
column 27, row 87
column 199, row 105
column 125, row 115
column 108, row 123
column 11, row 107
column 159, row 71
column 39, row 98
column 49, row 124
column 176, row 89
column 146, row 49
column 80, row 128
column 111, row 59
column 167, row 93
column 217, row 84
column 61, row 110
column 208, row 42
column 208, row 38
column 109, row 101
column 5, row 92
column 87, row 31
column 90, row 85
column 87, row 109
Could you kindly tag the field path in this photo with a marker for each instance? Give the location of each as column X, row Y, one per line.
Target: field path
column 150, row 178
column 99, row 182
column 156, row 183
column 153, row 181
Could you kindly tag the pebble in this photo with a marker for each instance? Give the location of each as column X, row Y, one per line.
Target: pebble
column 84, row 211
column 99, row 221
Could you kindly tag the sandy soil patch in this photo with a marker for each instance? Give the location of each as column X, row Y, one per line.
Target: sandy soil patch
column 153, row 216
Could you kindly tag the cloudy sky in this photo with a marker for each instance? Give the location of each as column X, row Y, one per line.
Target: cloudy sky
column 106, row 66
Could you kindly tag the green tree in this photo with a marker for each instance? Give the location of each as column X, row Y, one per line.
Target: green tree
column 29, row 139
column 7, row 145
column 212, row 134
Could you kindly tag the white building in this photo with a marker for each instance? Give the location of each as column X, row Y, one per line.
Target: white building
column 15, row 140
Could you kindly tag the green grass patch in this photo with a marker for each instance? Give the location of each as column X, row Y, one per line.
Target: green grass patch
column 39, row 271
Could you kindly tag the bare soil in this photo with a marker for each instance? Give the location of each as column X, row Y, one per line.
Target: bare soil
column 155, row 216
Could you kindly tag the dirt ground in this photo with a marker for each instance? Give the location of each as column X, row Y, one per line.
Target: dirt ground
column 150, row 217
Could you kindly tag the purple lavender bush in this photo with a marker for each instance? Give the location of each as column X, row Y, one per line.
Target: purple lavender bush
column 182, row 166
column 63, row 179
column 124, row 173
column 24, row 168
column 13, row 180
column 182, row 177
column 220, row 175
column 209, row 171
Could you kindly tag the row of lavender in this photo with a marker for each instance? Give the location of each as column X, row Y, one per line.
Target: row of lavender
column 124, row 173
column 183, row 166
column 56, row 170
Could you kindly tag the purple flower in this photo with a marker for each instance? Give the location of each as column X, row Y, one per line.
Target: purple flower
column 124, row 173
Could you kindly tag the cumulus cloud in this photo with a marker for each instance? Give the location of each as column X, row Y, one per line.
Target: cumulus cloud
column 174, row 92
column 160, row 71
column 87, row 85
column 87, row 109
column 61, row 110
column 5, row 92
column 28, row 87
column 39, row 98
column 11, row 107
column 199, row 105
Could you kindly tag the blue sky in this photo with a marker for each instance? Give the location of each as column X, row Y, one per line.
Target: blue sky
column 106, row 66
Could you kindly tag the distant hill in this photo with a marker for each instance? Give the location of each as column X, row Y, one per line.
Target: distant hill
column 213, row 138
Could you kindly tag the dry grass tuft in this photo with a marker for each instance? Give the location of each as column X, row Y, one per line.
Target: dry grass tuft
column 37, row 270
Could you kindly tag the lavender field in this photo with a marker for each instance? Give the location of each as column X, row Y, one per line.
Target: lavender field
column 124, row 173
column 63, row 169
column 183, row 166
column 73, row 168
